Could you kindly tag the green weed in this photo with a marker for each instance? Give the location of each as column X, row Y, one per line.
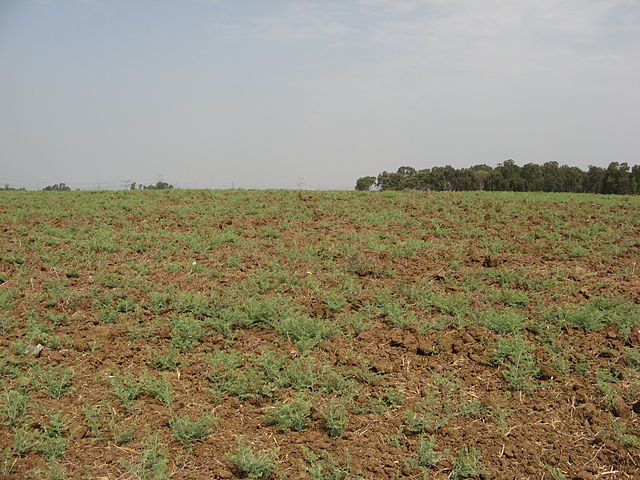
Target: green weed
column 162, row 361
column 185, row 331
column 14, row 406
column 187, row 431
column 55, row 382
column 305, row 332
column 466, row 463
column 92, row 417
column 126, row 387
column 291, row 415
column 258, row 465
column 327, row 467
column 53, row 443
column 504, row 322
column 516, row 355
column 24, row 440
column 427, row 456
column 335, row 417
column 122, row 432
column 152, row 464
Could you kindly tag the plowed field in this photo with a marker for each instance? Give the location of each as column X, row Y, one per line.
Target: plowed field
column 322, row 335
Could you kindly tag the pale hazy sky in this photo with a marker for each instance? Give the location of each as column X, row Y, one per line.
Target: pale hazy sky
column 266, row 93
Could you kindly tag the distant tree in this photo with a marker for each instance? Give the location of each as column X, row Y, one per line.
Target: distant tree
column 58, row 187
column 9, row 187
column 365, row 183
column 531, row 174
column 551, row 178
column 635, row 179
column 573, row 179
column 480, row 174
column 594, row 179
column 132, row 186
column 159, row 186
column 423, row 179
column 390, row 181
column 617, row 178
column 407, row 171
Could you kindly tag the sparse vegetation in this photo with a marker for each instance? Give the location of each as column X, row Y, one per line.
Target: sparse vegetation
column 333, row 335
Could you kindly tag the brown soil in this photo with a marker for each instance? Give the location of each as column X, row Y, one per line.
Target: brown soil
column 564, row 421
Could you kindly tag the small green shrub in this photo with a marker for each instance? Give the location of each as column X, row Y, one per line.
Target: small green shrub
column 14, row 406
column 516, row 354
column 187, row 431
column 162, row 361
column 121, row 431
column 53, row 444
column 185, row 331
column 126, row 387
column 159, row 388
column 504, row 322
column 417, row 422
column 262, row 311
column 258, row 465
column 152, row 463
column 359, row 321
column 327, row 467
column 24, row 440
column 55, row 382
column 54, row 471
column 292, row 415
column 58, row 319
column 334, row 300
column 335, row 417
column 632, row 357
column 108, row 315
column 588, row 318
column 427, row 455
column 466, row 463
column 306, row 332
column 400, row 315
column 92, row 416
column 393, row 396
column 555, row 472
column 6, row 324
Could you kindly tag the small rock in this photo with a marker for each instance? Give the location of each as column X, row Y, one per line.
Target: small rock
column 547, row 373
column 599, row 438
column 489, row 262
column 457, row 346
column 478, row 333
column 620, row 408
column 476, row 358
column 225, row 474
column 80, row 432
column 467, row 338
column 590, row 410
column 508, row 452
column 34, row 351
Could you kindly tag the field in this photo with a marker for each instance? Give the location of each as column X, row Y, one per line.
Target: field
column 322, row 335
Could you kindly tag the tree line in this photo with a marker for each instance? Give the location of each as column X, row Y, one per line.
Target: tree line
column 617, row 178
column 63, row 187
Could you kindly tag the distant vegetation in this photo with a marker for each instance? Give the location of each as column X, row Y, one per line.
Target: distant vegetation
column 62, row 187
column 157, row 186
column 617, row 178
column 58, row 187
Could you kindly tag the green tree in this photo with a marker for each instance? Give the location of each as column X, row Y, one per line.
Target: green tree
column 365, row 183
column 58, row 187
